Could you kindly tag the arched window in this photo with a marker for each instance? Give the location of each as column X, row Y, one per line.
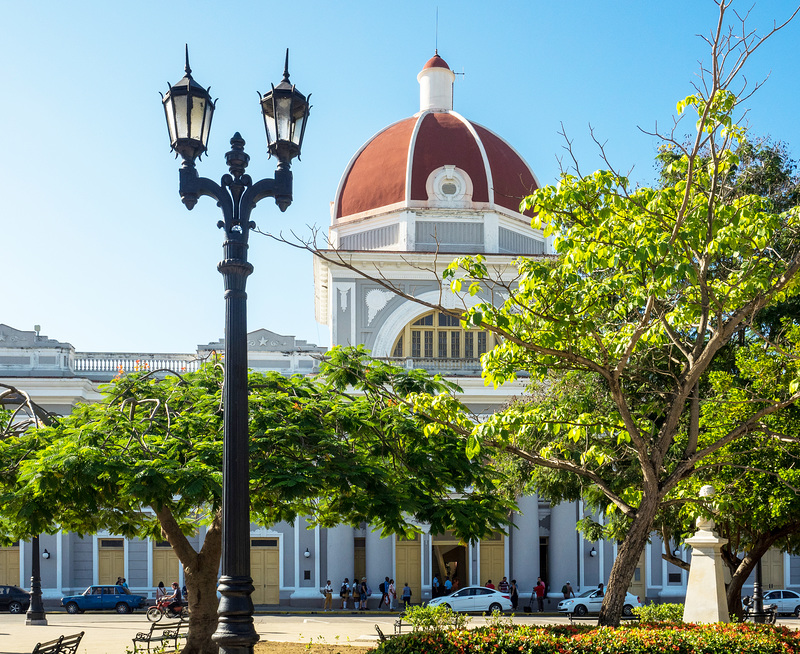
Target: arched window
column 436, row 335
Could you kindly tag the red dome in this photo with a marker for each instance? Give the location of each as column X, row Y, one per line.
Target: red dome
column 394, row 166
column 436, row 62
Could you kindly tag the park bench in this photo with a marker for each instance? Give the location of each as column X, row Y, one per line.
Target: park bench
column 162, row 637
column 61, row 645
column 400, row 627
column 584, row 618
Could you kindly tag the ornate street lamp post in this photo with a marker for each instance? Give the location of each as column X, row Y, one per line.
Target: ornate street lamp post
column 189, row 109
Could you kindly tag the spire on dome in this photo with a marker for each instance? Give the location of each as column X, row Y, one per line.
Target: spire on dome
column 436, row 85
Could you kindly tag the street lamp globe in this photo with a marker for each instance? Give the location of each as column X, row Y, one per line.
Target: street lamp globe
column 188, row 108
column 285, row 111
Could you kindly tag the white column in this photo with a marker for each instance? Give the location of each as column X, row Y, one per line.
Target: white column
column 60, row 562
column 150, row 563
column 524, row 544
column 562, row 548
column 22, row 583
column 340, row 555
column 380, row 556
column 317, row 565
column 95, row 561
column 126, row 550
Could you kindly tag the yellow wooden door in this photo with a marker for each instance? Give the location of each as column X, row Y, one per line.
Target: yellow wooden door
column 772, row 570
column 265, row 570
column 408, row 568
column 638, row 583
column 493, row 560
column 166, row 566
column 9, row 565
column 111, row 560
column 359, row 558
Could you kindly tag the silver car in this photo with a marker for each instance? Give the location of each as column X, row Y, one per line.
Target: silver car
column 787, row 601
column 591, row 600
column 476, row 599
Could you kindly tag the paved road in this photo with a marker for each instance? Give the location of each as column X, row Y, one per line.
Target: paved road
column 109, row 633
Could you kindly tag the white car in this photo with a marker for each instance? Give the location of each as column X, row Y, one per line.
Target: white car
column 787, row 601
column 590, row 601
column 476, row 599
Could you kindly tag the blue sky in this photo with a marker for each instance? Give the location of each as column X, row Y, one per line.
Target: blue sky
column 96, row 246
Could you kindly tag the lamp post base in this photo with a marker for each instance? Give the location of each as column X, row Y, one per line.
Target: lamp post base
column 235, row 633
column 36, row 622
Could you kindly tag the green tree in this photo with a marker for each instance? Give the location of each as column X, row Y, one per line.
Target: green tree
column 757, row 504
column 649, row 287
column 146, row 462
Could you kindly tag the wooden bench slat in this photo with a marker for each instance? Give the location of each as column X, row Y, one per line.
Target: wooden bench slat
column 161, row 636
column 61, row 645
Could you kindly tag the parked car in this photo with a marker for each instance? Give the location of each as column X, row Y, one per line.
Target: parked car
column 474, row 598
column 13, row 599
column 786, row 601
column 103, row 598
column 590, row 601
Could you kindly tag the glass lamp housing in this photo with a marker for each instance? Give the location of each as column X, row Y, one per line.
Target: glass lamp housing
column 188, row 108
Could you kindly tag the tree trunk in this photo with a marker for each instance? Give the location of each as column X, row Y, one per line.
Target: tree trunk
column 627, row 559
column 740, row 573
column 201, row 570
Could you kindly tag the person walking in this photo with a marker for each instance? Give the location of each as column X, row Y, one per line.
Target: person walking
column 514, row 595
column 384, row 588
column 344, row 592
column 392, row 595
column 364, row 590
column 161, row 592
column 567, row 591
column 540, row 589
column 356, row 594
column 328, row 593
column 406, row 596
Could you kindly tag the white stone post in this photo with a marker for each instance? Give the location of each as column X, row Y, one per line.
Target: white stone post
column 705, row 591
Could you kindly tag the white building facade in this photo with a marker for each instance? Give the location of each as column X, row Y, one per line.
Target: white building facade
column 418, row 193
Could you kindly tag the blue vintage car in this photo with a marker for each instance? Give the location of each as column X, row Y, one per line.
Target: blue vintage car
column 103, row 598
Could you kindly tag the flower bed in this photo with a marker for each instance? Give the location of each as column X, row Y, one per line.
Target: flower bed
column 684, row 639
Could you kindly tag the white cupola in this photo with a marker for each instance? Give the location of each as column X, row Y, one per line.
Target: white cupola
column 436, row 85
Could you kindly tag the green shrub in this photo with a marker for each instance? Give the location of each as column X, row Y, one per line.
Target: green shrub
column 659, row 614
column 435, row 618
column 629, row 639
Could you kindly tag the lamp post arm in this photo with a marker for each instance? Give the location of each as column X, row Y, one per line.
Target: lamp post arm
column 192, row 186
column 279, row 187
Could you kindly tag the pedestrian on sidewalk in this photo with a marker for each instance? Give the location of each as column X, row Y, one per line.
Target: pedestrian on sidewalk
column 406, row 596
column 328, row 593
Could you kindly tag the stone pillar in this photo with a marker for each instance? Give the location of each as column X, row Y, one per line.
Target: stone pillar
column 705, row 591
column 524, row 544
column 339, row 556
column 562, row 551
column 380, row 562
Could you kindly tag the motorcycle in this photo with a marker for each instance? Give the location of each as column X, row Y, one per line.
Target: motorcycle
column 161, row 609
column 770, row 613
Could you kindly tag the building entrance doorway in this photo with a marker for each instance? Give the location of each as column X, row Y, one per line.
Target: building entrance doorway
column 265, row 570
column 449, row 559
column 9, row 565
column 111, row 560
column 166, row 566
